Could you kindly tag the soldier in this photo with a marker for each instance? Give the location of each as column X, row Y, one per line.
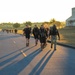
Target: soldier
column 53, row 32
column 43, row 36
column 27, row 32
column 15, row 31
column 36, row 34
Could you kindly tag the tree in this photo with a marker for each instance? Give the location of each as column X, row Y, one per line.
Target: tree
column 63, row 24
column 28, row 23
column 16, row 25
column 46, row 24
column 58, row 24
column 52, row 21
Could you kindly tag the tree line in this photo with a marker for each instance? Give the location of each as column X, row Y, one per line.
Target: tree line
column 22, row 25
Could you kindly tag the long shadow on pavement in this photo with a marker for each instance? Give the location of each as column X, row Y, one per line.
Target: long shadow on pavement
column 12, row 58
column 12, row 53
column 38, row 65
column 37, row 69
column 44, row 64
column 16, row 68
column 9, row 60
column 16, row 51
column 29, row 48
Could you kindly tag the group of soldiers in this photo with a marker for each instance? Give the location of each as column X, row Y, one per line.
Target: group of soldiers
column 10, row 31
column 42, row 34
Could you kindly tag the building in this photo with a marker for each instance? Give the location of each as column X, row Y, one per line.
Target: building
column 71, row 20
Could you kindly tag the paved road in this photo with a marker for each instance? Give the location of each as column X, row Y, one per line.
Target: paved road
column 17, row 59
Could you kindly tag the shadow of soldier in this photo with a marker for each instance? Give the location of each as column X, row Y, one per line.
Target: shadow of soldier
column 37, row 69
column 16, row 67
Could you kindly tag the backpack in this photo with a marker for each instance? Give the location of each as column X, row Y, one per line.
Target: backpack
column 54, row 32
column 35, row 31
column 27, row 31
column 42, row 33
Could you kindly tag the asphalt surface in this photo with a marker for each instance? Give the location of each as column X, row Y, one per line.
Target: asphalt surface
column 17, row 59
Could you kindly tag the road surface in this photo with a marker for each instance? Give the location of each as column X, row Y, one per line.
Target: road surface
column 17, row 59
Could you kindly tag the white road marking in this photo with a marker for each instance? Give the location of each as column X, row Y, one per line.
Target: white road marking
column 23, row 53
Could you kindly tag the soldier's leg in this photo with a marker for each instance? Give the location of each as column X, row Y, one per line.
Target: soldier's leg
column 51, row 42
column 55, row 43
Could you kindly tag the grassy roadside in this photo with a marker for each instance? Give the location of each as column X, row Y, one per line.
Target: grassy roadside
column 20, row 32
column 67, row 35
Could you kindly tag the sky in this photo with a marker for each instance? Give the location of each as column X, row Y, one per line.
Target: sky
column 35, row 10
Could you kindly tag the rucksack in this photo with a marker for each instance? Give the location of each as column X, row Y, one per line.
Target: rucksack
column 42, row 33
column 35, row 31
column 54, row 32
column 27, row 30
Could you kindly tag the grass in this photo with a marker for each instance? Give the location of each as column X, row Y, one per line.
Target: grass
column 67, row 35
column 20, row 32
